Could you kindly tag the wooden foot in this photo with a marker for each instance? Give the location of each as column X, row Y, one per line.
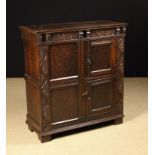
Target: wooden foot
column 44, row 139
column 118, row 121
column 30, row 128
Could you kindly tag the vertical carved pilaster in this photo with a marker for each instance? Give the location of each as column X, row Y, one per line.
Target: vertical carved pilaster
column 119, row 73
column 45, row 91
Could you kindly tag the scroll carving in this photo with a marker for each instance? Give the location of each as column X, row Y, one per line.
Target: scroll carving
column 45, row 91
column 65, row 36
column 119, row 72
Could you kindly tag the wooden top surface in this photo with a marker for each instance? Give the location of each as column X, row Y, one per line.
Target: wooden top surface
column 73, row 25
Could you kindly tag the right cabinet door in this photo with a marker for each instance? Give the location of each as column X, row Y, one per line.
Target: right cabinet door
column 100, row 82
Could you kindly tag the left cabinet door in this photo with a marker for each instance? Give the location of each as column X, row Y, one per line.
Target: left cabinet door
column 65, row 87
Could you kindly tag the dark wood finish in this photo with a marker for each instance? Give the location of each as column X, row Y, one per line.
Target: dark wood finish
column 74, row 75
column 62, row 63
column 118, row 121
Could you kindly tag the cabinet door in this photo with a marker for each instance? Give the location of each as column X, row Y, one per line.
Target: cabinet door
column 65, row 84
column 100, row 57
column 99, row 81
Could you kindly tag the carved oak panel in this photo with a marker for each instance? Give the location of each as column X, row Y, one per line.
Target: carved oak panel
column 102, row 32
column 63, row 60
column 101, row 56
column 56, row 37
column 64, row 104
column 100, row 95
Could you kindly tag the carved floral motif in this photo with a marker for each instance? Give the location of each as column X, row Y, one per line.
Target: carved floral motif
column 102, row 32
column 48, row 37
column 65, row 36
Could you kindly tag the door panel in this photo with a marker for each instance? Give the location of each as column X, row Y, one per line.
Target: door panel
column 63, row 60
column 101, row 57
column 64, row 104
column 100, row 96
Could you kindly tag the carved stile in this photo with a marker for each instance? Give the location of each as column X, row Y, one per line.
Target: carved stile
column 119, row 72
column 45, row 91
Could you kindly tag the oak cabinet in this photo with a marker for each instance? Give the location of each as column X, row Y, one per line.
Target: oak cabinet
column 74, row 75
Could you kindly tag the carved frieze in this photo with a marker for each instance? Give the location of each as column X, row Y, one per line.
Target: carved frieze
column 102, row 32
column 47, row 37
column 59, row 36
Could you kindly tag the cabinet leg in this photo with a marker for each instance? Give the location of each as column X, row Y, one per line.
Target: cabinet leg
column 44, row 139
column 30, row 128
column 118, row 121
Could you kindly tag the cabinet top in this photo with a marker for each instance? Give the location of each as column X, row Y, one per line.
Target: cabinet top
column 73, row 25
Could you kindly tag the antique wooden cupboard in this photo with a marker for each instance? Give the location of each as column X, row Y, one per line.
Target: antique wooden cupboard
column 74, row 75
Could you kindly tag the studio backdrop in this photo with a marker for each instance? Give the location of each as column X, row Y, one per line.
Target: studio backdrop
column 35, row 12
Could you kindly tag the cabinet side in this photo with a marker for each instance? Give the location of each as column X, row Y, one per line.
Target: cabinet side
column 31, row 52
column 32, row 77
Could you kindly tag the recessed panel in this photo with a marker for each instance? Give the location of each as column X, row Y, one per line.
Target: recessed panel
column 101, row 57
column 101, row 95
column 63, row 60
column 64, row 103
